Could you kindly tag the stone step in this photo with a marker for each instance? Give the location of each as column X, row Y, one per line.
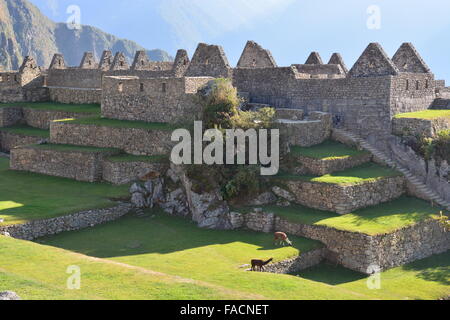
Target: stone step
column 417, row 183
column 73, row 162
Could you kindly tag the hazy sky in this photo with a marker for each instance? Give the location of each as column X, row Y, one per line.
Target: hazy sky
column 291, row 29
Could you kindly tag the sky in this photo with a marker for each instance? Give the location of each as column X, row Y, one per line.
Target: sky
column 290, row 29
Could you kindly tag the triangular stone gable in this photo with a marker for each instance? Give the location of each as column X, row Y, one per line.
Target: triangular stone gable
column 88, row 61
column 209, row 60
column 141, row 61
column 181, row 63
column 336, row 58
column 29, row 64
column 373, row 62
column 120, row 62
column 255, row 56
column 58, row 62
column 106, row 60
column 407, row 59
column 314, row 58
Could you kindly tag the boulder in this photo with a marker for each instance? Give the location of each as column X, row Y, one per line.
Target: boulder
column 9, row 295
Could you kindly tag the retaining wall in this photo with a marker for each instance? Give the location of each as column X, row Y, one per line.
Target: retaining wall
column 346, row 198
column 134, row 141
column 9, row 140
column 126, row 172
column 77, row 165
column 81, row 220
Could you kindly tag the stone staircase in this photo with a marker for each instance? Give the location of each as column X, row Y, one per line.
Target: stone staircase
column 421, row 188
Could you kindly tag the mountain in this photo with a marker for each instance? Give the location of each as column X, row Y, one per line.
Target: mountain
column 24, row 30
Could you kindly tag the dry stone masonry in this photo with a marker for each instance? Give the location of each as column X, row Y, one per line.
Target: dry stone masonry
column 143, row 101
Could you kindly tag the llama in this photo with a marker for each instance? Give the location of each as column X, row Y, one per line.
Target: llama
column 281, row 238
column 259, row 264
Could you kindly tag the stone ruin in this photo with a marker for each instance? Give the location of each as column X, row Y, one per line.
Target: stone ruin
column 310, row 100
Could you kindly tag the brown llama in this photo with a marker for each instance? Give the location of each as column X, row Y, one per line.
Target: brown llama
column 260, row 264
column 281, row 238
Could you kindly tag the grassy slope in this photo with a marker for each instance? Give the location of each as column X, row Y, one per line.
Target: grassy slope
column 39, row 272
column 361, row 174
column 93, row 109
column 426, row 114
column 26, row 196
column 68, row 148
column 132, row 158
column 328, row 150
column 380, row 219
column 27, row 131
column 215, row 256
column 122, row 123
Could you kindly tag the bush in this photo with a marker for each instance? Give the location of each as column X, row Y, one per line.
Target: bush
column 244, row 182
column 220, row 103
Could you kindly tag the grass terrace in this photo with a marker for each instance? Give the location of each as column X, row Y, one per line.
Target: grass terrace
column 426, row 114
column 98, row 121
column 132, row 158
column 73, row 148
column 28, row 196
column 380, row 219
column 364, row 173
column 208, row 256
column 329, row 150
column 27, row 131
column 93, row 109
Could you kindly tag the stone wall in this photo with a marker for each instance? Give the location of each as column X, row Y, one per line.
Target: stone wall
column 306, row 133
column 42, row 118
column 136, row 141
column 81, row 220
column 75, row 95
column 419, row 127
column 361, row 104
column 319, row 167
column 346, row 198
column 152, row 100
column 304, row 261
column 10, row 116
column 9, row 140
column 412, row 92
column 77, row 165
column 117, row 172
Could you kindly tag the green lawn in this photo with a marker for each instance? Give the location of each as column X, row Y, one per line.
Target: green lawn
column 121, row 123
column 39, row 272
column 426, row 114
column 27, row 196
column 132, row 158
column 93, row 109
column 329, row 150
column 73, row 148
column 27, row 131
column 177, row 247
column 364, row 173
column 379, row 219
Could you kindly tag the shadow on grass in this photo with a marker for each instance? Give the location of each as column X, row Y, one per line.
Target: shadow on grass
column 435, row 268
column 331, row 274
column 161, row 234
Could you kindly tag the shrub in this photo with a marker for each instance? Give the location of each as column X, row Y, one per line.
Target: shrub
column 220, row 103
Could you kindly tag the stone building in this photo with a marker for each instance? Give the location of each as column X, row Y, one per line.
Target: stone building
column 363, row 99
